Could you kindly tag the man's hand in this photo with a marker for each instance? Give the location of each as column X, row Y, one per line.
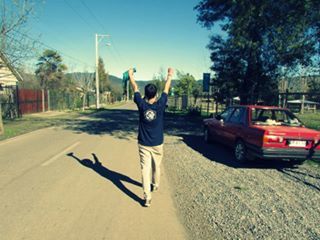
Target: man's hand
column 132, row 81
column 170, row 71
column 168, row 82
column 131, row 72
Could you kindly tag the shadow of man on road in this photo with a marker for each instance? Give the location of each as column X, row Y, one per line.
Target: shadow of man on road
column 114, row 177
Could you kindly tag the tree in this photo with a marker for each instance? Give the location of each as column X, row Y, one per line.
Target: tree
column 261, row 38
column 197, row 91
column 104, row 83
column 29, row 81
column 50, row 70
column 314, row 88
column 185, row 84
column 117, row 92
column 84, row 84
column 14, row 41
column 159, row 79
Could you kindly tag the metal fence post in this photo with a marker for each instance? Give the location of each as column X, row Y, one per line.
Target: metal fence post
column 18, row 102
column 43, row 104
column 1, row 122
column 302, row 104
column 48, row 99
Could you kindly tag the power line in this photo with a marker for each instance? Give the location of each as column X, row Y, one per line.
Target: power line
column 79, row 15
column 50, row 47
column 93, row 15
column 116, row 50
column 118, row 57
column 57, row 37
column 96, row 19
column 113, row 46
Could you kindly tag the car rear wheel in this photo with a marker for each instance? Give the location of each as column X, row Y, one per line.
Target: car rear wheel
column 240, row 151
column 206, row 135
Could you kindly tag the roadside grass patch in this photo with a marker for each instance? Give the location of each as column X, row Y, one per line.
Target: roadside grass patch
column 32, row 122
column 313, row 163
column 29, row 123
column 311, row 120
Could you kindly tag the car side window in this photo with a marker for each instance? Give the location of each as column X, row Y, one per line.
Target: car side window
column 238, row 116
column 226, row 114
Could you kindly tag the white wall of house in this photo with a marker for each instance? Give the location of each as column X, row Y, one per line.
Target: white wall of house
column 7, row 78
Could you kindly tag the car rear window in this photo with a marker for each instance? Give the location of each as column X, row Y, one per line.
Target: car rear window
column 274, row 117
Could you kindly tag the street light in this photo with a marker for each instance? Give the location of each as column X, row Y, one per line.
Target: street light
column 98, row 37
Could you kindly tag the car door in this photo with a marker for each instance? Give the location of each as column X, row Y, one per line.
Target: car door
column 234, row 126
column 218, row 128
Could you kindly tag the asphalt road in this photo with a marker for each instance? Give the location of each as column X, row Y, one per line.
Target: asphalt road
column 81, row 181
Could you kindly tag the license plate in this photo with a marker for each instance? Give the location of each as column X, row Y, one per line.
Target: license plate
column 295, row 143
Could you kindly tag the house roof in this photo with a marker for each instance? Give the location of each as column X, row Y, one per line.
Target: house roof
column 299, row 101
column 8, row 74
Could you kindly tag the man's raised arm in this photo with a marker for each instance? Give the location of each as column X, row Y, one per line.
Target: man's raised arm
column 132, row 81
column 168, row 82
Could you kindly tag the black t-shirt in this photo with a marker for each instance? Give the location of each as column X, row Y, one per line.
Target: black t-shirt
column 150, row 120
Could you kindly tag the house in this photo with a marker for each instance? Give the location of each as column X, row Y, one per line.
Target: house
column 296, row 105
column 9, row 76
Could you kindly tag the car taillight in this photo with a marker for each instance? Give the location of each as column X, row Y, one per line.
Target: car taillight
column 272, row 139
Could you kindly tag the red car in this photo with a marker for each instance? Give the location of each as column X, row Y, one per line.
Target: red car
column 263, row 132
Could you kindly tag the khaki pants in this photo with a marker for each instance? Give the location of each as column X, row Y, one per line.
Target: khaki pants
column 150, row 160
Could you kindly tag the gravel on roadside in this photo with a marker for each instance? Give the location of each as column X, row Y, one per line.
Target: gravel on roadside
column 220, row 199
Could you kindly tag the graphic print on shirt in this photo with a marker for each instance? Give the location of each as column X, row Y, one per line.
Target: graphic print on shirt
column 150, row 115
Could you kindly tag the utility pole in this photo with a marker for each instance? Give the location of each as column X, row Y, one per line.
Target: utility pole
column 128, row 91
column 97, row 66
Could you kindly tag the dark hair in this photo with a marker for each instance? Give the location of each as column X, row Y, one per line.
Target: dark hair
column 150, row 90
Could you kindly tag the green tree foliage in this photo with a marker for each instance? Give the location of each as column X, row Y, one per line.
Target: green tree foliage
column 159, row 79
column 104, row 83
column 185, row 85
column 29, row 81
column 314, row 88
column 108, row 83
column 197, row 90
column 84, row 85
column 50, row 70
column 117, row 92
column 262, row 37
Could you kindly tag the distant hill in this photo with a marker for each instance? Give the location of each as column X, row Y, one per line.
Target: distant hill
column 115, row 80
column 141, row 83
column 30, row 80
column 118, row 82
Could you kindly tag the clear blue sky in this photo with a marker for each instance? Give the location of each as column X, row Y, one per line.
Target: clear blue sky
column 146, row 34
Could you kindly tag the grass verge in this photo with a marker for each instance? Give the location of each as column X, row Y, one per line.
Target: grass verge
column 32, row 122
column 311, row 120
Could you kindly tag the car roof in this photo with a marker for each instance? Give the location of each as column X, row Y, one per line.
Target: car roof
column 260, row 107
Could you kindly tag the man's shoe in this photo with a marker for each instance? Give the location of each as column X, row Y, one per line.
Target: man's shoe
column 147, row 202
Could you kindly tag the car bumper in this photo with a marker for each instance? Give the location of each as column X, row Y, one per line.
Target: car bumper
column 279, row 153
